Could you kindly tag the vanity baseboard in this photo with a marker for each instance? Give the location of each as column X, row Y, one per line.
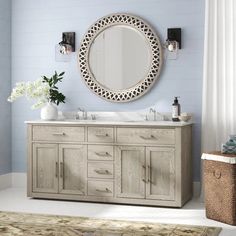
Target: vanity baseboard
column 123, row 163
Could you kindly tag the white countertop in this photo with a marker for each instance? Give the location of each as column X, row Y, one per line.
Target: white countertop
column 107, row 122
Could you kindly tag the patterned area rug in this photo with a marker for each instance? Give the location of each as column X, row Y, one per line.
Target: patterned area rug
column 33, row 224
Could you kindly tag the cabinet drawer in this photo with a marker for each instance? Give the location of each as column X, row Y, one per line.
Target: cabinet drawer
column 100, row 153
column 100, row 134
column 146, row 136
column 55, row 133
column 100, row 188
column 100, row 170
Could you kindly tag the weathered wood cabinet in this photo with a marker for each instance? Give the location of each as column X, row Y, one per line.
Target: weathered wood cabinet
column 120, row 163
column 45, row 168
column 130, row 172
column 161, row 167
column 73, row 174
column 59, row 168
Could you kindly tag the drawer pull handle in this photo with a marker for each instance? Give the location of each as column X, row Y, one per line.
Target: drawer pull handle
column 102, row 172
column 56, row 170
column 61, row 170
column 59, row 134
column 106, row 190
column 149, row 174
column 147, row 138
column 102, row 135
column 102, row 154
column 144, row 174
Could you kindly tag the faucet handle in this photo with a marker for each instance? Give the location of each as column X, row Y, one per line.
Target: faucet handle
column 77, row 116
column 80, row 109
column 152, row 110
column 93, row 116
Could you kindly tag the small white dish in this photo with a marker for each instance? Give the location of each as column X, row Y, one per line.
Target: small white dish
column 185, row 117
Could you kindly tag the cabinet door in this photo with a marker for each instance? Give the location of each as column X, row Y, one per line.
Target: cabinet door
column 45, row 168
column 73, row 169
column 130, row 172
column 160, row 173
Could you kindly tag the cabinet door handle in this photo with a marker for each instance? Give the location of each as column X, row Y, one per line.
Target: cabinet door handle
column 59, row 134
column 102, row 172
column 147, row 137
column 149, row 174
column 101, row 135
column 106, row 190
column 102, row 154
column 144, row 174
column 56, row 170
column 61, row 170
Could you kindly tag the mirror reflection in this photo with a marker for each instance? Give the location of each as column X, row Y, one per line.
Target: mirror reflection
column 119, row 57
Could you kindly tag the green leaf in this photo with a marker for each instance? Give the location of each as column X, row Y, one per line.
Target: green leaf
column 62, row 73
column 54, row 95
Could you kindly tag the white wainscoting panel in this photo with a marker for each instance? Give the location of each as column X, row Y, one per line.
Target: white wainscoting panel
column 19, row 180
column 5, row 181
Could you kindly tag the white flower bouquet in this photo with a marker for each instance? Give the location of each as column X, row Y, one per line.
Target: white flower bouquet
column 42, row 90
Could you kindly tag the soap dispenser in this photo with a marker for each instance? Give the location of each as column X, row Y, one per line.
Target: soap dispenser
column 175, row 110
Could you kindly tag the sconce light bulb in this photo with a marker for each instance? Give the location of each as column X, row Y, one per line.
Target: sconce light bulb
column 171, row 47
column 62, row 49
column 65, row 49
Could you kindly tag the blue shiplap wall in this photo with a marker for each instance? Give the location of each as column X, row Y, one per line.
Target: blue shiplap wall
column 5, row 86
column 37, row 27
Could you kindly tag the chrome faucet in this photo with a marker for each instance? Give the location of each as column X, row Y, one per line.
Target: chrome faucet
column 84, row 114
column 77, row 116
column 157, row 116
column 152, row 110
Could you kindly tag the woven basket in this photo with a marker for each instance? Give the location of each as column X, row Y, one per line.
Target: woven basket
column 220, row 188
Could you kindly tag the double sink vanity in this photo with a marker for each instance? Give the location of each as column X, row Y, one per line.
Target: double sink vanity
column 133, row 162
column 118, row 161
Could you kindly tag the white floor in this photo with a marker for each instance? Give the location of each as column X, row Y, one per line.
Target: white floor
column 193, row 213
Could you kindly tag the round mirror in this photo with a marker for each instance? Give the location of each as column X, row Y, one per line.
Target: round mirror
column 120, row 57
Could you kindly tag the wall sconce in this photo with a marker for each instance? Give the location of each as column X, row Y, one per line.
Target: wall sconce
column 67, row 45
column 64, row 49
column 173, row 41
